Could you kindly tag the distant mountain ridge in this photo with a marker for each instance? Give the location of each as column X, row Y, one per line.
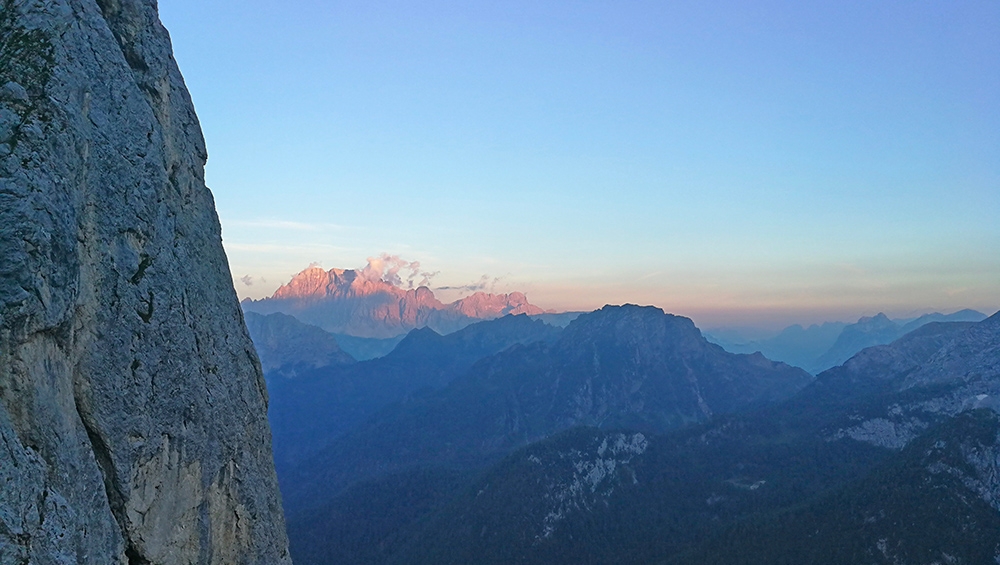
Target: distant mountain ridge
column 286, row 345
column 322, row 403
column 360, row 303
column 892, row 457
column 795, row 345
column 823, row 346
column 618, row 367
column 880, row 330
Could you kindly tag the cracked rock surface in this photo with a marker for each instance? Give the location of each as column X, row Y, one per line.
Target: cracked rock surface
column 133, row 422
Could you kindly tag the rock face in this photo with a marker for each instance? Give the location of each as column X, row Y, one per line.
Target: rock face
column 356, row 303
column 132, row 405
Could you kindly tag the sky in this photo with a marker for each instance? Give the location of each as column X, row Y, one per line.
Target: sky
column 743, row 163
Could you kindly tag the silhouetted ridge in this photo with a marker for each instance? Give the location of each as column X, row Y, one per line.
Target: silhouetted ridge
column 889, row 458
column 321, row 405
column 621, row 366
column 821, row 347
column 419, row 342
column 286, row 346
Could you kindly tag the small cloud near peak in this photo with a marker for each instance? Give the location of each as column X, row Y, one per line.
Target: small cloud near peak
column 394, row 270
column 484, row 284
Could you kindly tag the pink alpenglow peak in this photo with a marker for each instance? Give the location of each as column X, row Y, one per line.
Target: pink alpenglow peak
column 316, row 284
column 485, row 306
column 371, row 302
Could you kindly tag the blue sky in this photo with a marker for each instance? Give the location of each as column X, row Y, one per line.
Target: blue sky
column 740, row 163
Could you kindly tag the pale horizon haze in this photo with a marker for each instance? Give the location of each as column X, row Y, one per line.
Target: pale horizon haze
column 745, row 164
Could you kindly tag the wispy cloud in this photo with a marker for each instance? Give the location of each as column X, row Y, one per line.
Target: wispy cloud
column 285, row 225
column 485, row 283
column 649, row 275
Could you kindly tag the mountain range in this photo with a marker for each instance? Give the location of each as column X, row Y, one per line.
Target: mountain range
column 887, row 459
column 364, row 304
column 286, row 346
column 312, row 406
column 617, row 367
column 628, row 438
column 822, row 346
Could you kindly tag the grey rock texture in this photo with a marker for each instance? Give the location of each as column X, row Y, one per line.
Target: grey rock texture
column 132, row 407
column 577, row 480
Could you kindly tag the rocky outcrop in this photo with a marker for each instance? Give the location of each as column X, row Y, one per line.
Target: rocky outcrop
column 363, row 304
column 132, row 406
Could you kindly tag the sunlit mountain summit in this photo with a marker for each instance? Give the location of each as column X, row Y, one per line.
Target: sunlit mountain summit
column 376, row 302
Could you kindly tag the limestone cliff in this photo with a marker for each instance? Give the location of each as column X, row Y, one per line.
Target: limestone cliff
column 132, row 406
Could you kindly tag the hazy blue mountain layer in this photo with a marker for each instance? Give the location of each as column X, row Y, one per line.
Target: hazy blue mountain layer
column 617, row 367
column 367, row 348
column 320, row 405
column 795, row 345
column 822, row 346
column 892, row 457
column 286, row 346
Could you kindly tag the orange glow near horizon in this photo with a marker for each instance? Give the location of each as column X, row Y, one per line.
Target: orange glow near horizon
column 752, row 305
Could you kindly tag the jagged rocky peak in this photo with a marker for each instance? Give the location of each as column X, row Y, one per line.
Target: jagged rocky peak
column 373, row 303
column 877, row 320
column 484, row 305
column 314, row 282
column 132, row 405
